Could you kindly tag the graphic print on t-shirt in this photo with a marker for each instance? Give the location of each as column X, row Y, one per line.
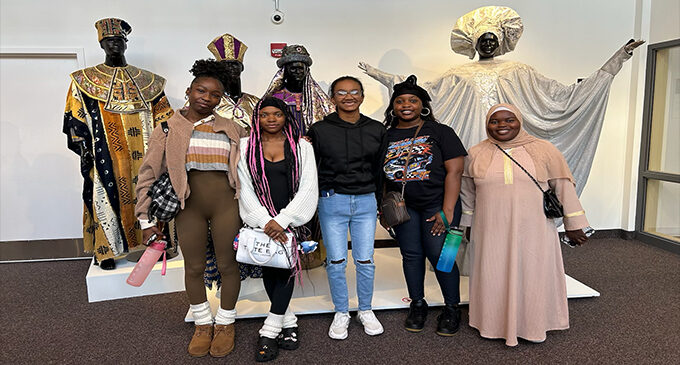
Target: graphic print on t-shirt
column 418, row 164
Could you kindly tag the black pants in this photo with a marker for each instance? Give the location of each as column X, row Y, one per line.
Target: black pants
column 417, row 243
column 279, row 286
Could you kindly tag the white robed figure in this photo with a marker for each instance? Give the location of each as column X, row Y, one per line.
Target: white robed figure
column 569, row 116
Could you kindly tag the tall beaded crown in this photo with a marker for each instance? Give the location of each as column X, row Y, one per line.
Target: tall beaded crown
column 227, row 48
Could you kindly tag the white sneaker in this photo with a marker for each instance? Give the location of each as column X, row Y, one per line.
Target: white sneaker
column 371, row 324
column 338, row 330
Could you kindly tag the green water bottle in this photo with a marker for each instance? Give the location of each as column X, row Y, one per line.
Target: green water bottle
column 450, row 249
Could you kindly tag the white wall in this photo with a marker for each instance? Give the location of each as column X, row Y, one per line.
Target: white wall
column 563, row 40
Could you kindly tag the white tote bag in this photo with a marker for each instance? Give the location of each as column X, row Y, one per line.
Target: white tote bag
column 256, row 248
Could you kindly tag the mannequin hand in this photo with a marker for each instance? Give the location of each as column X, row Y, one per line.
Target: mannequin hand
column 577, row 236
column 274, row 230
column 632, row 44
column 438, row 228
column 147, row 233
column 363, row 66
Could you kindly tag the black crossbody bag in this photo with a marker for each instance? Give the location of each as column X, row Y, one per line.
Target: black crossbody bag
column 393, row 205
column 551, row 205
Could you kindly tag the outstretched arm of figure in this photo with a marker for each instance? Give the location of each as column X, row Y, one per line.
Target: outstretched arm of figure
column 383, row 77
column 614, row 64
column 632, row 44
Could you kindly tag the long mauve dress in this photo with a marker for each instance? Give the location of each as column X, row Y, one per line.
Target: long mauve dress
column 517, row 282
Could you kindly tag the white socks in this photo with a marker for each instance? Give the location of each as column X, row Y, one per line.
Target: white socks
column 225, row 317
column 201, row 313
column 272, row 325
column 289, row 319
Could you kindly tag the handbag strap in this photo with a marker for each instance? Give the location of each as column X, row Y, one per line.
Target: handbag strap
column 520, row 166
column 408, row 157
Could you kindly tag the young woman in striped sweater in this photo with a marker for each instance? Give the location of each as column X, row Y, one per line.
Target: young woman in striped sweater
column 200, row 152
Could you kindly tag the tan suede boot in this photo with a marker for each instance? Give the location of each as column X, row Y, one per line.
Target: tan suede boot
column 223, row 340
column 200, row 342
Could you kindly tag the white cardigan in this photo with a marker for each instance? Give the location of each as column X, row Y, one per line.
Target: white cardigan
column 299, row 211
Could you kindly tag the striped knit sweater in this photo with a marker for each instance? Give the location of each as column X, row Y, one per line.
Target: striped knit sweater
column 208, row 150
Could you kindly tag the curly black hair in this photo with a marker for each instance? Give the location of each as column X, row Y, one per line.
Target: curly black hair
column 209, row 68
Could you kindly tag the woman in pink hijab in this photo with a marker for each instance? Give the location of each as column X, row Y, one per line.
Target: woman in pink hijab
column 517, row 283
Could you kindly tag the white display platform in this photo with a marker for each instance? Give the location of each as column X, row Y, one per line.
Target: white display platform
column 110, row 284
column 313, row 297
column 389, row 292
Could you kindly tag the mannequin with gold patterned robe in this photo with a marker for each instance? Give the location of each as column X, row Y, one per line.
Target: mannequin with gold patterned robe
column 111, row 110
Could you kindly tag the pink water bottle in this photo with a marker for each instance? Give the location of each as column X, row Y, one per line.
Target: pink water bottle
column 146, row 263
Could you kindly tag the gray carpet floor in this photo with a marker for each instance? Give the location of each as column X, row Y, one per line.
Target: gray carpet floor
column 46, row 319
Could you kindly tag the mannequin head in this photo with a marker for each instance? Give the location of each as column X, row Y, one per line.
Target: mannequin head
column 231, row 78
column 234, row 68
column 114, row 46
column 487, row 45
column 294, row 75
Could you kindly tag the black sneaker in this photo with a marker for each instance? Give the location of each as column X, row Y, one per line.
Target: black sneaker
column 417, row 314
column 288, row 339
column 448, row 321
column 267, row 349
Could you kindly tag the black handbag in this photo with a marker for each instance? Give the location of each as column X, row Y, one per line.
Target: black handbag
column 393, row 205
column 551, row 205
column 164, row 202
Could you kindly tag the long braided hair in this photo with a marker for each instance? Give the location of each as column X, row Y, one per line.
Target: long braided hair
column 256, row 163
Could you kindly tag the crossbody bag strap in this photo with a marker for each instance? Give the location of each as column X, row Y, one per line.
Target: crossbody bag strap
column 408, row 157
column 520, row 166
column 166, row 130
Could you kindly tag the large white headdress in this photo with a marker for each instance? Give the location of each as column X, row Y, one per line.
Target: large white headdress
column 502, row 21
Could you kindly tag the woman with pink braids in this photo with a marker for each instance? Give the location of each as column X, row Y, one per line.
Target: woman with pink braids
column 279, row 193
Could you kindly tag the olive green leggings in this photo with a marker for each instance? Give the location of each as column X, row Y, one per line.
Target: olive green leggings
column 211, row 200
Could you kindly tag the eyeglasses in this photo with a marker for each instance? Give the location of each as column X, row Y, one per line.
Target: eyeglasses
column 354, row 92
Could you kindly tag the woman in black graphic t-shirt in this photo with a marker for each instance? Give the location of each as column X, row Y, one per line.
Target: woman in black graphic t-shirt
column 433, row 179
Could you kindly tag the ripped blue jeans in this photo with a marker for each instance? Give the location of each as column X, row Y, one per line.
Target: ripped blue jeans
column 337, row 213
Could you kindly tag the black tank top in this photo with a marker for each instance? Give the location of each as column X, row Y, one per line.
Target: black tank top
column 277, row 175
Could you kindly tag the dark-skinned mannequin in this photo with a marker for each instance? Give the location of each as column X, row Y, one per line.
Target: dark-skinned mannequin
column 487, row 45
column 491, row 80
column 111, row 109
column 237, row 104
column 114, row 48
column 232, row 82
column 294, row 75
column 308, row 103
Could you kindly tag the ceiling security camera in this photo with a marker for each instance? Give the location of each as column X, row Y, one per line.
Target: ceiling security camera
column 277, row 17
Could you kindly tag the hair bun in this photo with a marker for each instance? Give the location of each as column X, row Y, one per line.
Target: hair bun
column 412, row 80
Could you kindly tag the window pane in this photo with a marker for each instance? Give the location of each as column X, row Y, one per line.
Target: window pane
column 664, row 148
column 662, row 211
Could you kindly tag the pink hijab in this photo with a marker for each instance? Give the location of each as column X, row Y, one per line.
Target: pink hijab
column 548, row 160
